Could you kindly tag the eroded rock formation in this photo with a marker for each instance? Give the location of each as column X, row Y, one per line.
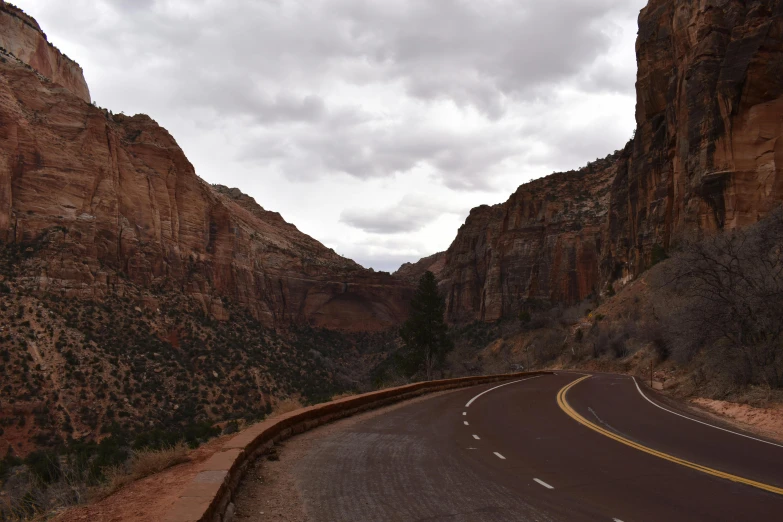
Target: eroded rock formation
column 545, row 242
column 102, row 199
column 21, row 36
column 412, row 272
column 707, row 155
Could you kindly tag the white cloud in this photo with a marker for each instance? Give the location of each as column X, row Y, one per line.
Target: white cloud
column 411, row 214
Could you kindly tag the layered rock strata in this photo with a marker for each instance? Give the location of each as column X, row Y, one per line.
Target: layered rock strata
column 102, row 199
column 21, row 36
column 707, row 155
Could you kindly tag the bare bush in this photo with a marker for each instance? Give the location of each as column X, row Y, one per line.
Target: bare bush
column 730, row 288
column 547, row 346
column 27, row 497
column 148, row 462
column 576, row 313
column 142, row 463
column 653, row 333
column 614, row 340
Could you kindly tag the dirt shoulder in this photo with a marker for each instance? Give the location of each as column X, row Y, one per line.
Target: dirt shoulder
column 767, row 422
column 148, row 499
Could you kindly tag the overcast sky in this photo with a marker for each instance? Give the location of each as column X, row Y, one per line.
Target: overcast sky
column 372, row 125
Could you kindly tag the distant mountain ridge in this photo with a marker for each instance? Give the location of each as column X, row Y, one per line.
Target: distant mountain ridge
column 413, row 271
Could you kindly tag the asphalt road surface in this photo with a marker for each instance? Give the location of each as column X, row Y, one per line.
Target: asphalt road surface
column 512, row 452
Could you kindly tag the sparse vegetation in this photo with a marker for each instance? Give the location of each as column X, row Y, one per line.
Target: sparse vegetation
column 142, row 463
column 149, row 369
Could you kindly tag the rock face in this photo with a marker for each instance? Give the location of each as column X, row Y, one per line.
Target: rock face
column 707, row 155
column 111, row 198
column 412, row 272
column 545, row 242
column 21, row 36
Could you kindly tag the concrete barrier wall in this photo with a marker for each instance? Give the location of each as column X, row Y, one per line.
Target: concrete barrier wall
column 209, row 496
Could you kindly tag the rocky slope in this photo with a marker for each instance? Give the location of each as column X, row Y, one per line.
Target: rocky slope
column 21, row 36
column 707, row 155
column 134, row 296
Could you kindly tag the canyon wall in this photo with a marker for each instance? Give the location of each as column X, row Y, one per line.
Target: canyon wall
column 412, row 272
column 101, row 199
column 707, row 155
column 545, row 242
column 21, row 36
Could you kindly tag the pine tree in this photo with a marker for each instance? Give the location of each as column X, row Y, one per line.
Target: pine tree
column 425, row 334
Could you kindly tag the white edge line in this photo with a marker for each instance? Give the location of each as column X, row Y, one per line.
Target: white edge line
column 476, row 437
column 701, row 422
column 543, row 483
column 495, row 388
column 498, row 455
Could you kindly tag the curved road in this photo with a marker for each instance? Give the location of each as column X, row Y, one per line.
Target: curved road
column 511, row 452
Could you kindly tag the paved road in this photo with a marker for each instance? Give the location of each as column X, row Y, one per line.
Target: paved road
column 514, row 454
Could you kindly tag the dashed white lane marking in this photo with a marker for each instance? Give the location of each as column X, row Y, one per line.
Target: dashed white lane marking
column 466, row 423
column 543, row 483
column 464, row 413
column 498, row 455
column 700, row 422
column 476, row 437
column 617, row 520
column 495, row 388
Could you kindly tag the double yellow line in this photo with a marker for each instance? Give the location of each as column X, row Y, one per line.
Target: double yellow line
column 563, row 403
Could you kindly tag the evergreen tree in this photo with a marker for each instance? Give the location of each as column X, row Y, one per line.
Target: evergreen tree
column 425, row 334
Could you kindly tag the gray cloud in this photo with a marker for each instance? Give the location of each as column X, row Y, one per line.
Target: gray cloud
column 464, row 96
column 274, row 63
column 410, row 214
column 363, row 151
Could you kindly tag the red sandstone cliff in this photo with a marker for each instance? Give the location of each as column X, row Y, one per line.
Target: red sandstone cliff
column 545, row 242
column 412, row 272
column 114, row 199
column 21, row 36
column 707, row 155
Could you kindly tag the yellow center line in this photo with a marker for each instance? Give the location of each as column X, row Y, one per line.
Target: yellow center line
column 563, row 403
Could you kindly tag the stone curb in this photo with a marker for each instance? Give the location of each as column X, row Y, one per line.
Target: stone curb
column 208, row 497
